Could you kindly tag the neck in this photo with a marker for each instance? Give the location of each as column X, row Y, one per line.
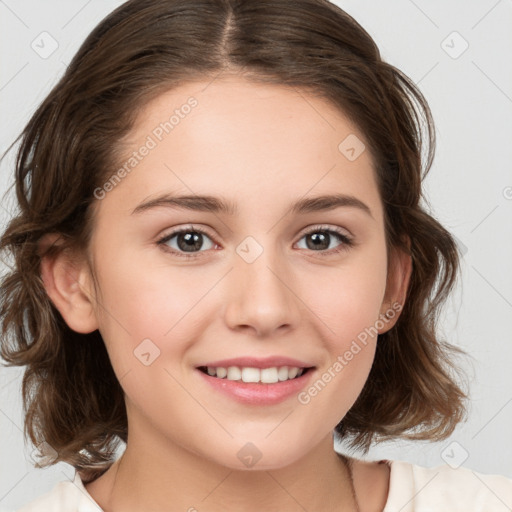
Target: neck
column 169, row 478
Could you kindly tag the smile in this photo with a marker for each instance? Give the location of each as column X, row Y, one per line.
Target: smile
column 255, row 375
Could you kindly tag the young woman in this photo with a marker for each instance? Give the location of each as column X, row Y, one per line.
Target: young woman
column 221, row 259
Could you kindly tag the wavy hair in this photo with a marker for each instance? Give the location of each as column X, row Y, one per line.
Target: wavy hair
column 72, row 142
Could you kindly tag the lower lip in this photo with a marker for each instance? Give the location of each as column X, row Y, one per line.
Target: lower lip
column 258, row 394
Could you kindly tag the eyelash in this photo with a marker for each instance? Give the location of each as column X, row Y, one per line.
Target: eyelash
column 347, row 242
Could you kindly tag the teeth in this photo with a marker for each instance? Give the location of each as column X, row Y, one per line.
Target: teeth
column 292, row 372
column 283, row 373
column 250, row 375
column 269, row 375
column 263, row 375
column 234, row 373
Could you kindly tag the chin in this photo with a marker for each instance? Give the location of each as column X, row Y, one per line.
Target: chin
column 262, row 456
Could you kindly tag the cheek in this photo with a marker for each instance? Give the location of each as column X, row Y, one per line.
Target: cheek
column 347, row 305
column 349, row 323
column 348, row 298
column 146, row 299
column 150, row 314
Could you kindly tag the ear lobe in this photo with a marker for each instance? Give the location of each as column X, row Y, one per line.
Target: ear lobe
column 399, row 275
column 66, row 280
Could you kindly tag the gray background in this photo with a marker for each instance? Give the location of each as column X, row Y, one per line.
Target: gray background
column 469, row 189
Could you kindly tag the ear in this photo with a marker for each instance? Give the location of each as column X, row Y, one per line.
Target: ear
column 67, row 281
column 399, row 274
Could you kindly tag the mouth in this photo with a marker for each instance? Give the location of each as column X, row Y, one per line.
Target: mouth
column 257, row 381
column 270, row 375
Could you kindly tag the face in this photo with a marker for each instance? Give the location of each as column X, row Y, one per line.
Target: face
column 185, row 285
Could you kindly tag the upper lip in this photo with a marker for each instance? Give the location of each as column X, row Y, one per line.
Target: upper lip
column 257, row 362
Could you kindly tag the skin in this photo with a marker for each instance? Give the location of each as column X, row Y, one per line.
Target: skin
column 261, row 147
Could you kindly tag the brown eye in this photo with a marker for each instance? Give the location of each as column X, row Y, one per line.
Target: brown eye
column 188, row 240
column 322, row 240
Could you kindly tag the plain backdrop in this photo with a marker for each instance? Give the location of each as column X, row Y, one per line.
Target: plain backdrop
column 459, row 54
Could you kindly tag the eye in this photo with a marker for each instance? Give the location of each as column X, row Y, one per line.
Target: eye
column 187, row 240
column 319, row 238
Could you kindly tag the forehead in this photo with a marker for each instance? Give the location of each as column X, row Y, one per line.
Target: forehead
column 235, row 138
column 233, row 108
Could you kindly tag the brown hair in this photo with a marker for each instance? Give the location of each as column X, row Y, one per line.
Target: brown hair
column 69, row 148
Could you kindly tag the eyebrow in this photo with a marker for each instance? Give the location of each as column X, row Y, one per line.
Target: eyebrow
column 218, row 205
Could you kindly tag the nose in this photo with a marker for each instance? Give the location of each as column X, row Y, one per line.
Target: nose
column 261, row 296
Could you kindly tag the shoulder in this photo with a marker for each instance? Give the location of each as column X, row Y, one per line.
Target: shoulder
column 68, row 496
column 415, row 488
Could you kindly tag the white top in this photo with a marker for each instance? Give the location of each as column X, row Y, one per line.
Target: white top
column 411, row 489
